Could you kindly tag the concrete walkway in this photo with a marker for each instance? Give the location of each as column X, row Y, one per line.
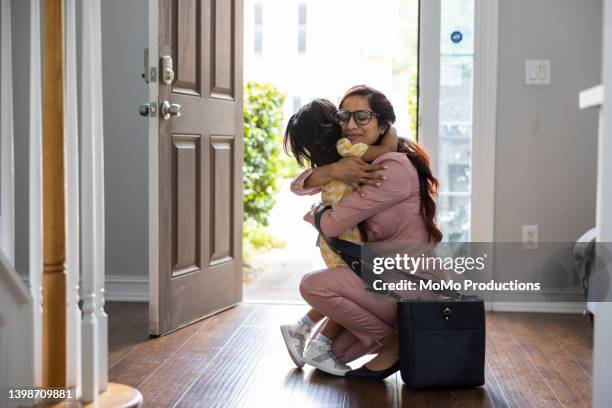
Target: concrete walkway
column 279, row 271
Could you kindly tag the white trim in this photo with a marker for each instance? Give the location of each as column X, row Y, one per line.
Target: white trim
column 153, row 176
column 429, row 78
column 602, row 353
column 540, row 307
column 7, row 171
column 71, row 125
column 125, row 288
column 15, row 327
column 35, row 188
column 482, row 217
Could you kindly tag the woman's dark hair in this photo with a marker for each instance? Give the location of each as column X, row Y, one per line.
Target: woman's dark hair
column 312, row 133
column 428, row 184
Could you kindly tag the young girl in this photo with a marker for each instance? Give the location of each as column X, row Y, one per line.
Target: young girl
column 313, row 136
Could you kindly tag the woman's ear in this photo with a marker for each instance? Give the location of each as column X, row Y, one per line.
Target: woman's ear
column 383, row 130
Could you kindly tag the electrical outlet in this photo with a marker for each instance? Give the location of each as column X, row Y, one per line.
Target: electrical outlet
column 530, row 237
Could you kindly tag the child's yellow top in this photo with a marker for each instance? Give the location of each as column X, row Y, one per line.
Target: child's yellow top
column 333, row 193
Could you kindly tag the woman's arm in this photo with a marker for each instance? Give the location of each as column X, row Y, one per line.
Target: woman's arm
column 355, row 208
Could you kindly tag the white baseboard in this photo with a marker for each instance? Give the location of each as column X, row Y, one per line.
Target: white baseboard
column 126, row 288
column 120, row 288
column 540, row 307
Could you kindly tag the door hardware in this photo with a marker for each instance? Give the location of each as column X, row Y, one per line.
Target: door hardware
column 166, row 71
column 168, row 110
column 148, row 109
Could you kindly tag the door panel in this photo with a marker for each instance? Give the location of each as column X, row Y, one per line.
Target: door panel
column 221, row 194
column 187, row 46
column 200, row 162
column 186, row 205
column 223, row 31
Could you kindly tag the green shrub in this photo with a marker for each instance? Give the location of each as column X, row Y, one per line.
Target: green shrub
column 413, row 105
column 263, row 117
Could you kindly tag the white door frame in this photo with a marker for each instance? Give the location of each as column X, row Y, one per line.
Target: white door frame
column 482, row 206
column 484, row 105
column 153, row 171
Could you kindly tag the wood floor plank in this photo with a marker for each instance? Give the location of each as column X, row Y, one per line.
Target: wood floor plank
column 140, row 363
column 522, row 384
column 543, row 342
column 238, row 358
column 275, row 368
column 192, row 358
column 318, row 389
column 127, row 328
column 362, row 393
column 220, row 382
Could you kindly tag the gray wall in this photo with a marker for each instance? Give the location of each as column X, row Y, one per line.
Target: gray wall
column 20, row 12
column 546, row 147
column 124, row 38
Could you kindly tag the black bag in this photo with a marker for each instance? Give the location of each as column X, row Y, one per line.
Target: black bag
column 441, row 343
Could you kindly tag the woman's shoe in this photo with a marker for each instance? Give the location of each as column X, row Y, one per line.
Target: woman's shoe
column 365, row 372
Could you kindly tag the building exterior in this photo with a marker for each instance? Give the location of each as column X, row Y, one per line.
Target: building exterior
column 318, row 49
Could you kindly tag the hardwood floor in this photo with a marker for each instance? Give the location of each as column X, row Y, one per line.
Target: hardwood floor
column 237, row 359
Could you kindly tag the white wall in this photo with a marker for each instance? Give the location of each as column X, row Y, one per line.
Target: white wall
column 124, row 37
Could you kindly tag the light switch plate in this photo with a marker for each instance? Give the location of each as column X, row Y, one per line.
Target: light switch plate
column 537, row 72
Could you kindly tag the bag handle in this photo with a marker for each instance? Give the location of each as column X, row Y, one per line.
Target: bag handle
column 351, row 253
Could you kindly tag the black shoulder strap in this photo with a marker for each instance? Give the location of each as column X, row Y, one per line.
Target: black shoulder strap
column 352, row 254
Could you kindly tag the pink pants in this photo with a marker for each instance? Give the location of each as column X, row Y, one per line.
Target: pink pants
column 366, row 317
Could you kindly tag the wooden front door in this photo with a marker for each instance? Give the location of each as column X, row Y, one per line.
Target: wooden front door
column 199, row 269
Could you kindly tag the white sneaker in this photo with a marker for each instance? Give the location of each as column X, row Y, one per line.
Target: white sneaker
column 318, row 354
column 295, row 338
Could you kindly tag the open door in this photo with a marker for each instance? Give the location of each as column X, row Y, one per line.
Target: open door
column 195, row 160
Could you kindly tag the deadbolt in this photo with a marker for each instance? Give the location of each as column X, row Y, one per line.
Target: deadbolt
column 168, row 110
column 167, row 73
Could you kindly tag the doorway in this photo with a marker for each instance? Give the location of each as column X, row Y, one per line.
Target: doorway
column 306, row 50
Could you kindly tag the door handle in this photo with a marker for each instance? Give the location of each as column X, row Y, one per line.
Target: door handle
column 168, row 110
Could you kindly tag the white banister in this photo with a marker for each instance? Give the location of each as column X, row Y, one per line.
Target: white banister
column 73, row 313
column 98, row 184
column 35, row 188
column 7, row 170
column 95, row 325
column 89, row 237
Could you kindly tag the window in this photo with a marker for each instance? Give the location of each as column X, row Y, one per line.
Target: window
column 455, row 116
column 258, row 28
column 302, row 28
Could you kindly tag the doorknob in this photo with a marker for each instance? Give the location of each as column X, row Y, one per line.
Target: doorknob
column 168, row 110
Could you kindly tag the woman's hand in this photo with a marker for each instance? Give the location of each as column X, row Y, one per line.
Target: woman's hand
column 356, row 172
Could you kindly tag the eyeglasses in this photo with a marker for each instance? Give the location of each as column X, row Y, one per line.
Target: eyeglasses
column 361, row 117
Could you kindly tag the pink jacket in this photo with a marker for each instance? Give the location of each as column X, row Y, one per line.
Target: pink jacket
column 390, row 211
